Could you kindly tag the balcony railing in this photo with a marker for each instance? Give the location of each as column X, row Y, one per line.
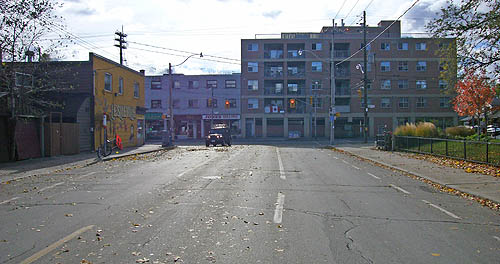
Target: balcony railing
column 300, row 73
column 273, row 91
column 341, row 53
column 273, row 54
column 294, row 54
column 273, row 74
column 339, row 73
column 342, row 91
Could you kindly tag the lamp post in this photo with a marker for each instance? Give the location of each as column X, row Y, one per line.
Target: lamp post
column 332, row 92
column 170, row 100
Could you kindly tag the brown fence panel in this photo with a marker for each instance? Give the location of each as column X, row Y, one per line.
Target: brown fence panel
column 70, row 138
column 27, row 139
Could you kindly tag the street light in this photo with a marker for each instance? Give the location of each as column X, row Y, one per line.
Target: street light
column 170, row 100
column 332, row 91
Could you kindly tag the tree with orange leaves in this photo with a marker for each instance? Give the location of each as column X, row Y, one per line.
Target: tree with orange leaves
column 474, row 95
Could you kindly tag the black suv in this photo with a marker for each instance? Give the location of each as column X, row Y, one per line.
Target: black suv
column 219, row 134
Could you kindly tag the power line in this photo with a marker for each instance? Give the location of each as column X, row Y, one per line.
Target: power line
column 178, row 55
column 380, row 34
column 345, row 18
column 368, row 5
column 188, row 52
column 340, row 9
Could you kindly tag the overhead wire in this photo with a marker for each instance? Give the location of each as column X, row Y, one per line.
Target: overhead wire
column 183, row 51
column 380, row 34
column 178, row 55
column 340, row 9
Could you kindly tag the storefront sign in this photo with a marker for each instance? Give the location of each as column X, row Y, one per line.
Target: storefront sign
column 123, row 111
column 227, row 116
column 154, row 116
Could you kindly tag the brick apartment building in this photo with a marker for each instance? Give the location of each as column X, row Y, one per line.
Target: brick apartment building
column 198, row 102
column 286, row 82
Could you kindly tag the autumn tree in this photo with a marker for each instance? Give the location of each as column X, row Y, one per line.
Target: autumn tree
column 474, row 95
column 474, row 24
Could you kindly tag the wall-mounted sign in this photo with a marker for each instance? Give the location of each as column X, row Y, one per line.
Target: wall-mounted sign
column 123, row 111
column 227, row 116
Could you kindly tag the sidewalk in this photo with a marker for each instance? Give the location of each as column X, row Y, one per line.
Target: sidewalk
column 483, row 186
column 25, row 168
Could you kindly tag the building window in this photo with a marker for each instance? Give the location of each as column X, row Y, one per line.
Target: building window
column 232, row 103
column 176, row 103
column 316, row 85
column 363, row 102
column 444, row 102
column 403, row 66
column 155, row 104
column 317, row 46
column 230, row 83
column 421, row 84
column 316, row 66
column 403, row 84
column 193, row 103
column 177, row 85
column 443, row 84
column 155, row 85
column 120, row 86
column 108, row 79
column 385, row 102
column 253, row 67
column 136, row 90
column 385, row 84
column 385, row 46
column 404, row 102
column 403, row 46
column 293, row 88
column 23, row 79
column 253, row 85
column 385, row 66
column 369, row 86
column 421, row 102
column 212, row 84
column 253, row 103
column 211, row 103
column 421, row 65
column 253, row 47
column 420, row 46
column 193, row 84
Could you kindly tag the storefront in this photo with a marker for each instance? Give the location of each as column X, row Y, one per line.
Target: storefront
column 155, row 124
column 232, row 120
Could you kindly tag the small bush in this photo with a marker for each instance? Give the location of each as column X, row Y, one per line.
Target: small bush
column 426, row 129
column 459, row 131
column 406, row 130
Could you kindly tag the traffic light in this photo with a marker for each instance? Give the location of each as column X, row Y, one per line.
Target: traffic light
column 311, row 100
column 360, row 94
column 227, row 105
column 209, row 102
column 292, row 103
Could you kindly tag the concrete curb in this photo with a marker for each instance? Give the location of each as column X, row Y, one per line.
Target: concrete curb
column 422, row 176
column 131, row 154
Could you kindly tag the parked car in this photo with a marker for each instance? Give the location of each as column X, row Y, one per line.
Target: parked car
column 493, row 130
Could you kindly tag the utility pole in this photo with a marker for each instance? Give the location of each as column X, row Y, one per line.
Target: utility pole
column 365, row 79
column 332, row 88
column 121, row 40
column 170, row 101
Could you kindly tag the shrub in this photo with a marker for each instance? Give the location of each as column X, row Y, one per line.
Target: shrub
column 459, row 131
column 426, row 129
column 406, row 130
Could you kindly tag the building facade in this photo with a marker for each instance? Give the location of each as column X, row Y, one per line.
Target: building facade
column 118, row 94
column 286, row 82
column 198, row 102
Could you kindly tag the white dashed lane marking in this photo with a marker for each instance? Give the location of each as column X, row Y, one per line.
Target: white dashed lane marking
column 280, row 163
column 399, row 189
column 376, row 177
column 278, row 212
column 10, row 200
column 442, row 210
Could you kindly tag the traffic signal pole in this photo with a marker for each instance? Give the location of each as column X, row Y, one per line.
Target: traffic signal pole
column 365, row 79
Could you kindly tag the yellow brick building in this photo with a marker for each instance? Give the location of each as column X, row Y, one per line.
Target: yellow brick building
column 118, row 94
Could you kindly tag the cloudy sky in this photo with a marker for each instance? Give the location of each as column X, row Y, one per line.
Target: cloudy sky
column 163, row 31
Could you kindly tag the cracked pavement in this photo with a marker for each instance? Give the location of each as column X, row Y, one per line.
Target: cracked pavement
column 234, row 204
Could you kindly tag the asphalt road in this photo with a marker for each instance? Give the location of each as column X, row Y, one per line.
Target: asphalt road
column 282, row 203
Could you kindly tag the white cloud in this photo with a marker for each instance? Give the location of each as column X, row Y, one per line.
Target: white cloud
column 214, row 27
